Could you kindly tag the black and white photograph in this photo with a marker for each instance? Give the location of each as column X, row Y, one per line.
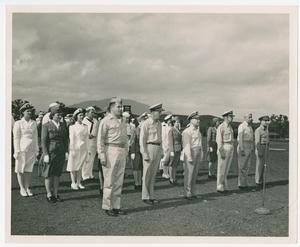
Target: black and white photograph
column 152, row 123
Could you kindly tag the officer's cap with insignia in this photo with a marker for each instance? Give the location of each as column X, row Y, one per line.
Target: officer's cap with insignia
column 168, row 117
column 265, row 118
column 156, row 107
column 25, row 107
column 78, row 111
column 228, row 113
column 90, row 108
column 194, row 115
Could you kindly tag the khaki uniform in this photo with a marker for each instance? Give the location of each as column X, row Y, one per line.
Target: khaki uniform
column 150, row 147
column 193, row 154
column 246, row 143
column 261, row 149
column 225, row 145
column 112, row 145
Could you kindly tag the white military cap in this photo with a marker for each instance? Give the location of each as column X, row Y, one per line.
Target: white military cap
column 79, row 110
column 193, row 115
column 25, row 107
column 90, row 108
column 156, row 107
column 168, row 117
column 228, row 113
column 53, row 104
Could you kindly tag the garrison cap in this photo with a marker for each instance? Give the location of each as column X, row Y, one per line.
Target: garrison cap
column 25, row 107
column 266, row 118
column 194, row 115
column 228, row 113
column 156, row 107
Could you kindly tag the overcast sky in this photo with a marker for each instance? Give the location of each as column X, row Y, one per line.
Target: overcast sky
column 205, row 62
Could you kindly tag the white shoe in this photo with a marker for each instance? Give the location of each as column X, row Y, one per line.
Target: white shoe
column 166, row 176
column 80, row 186
column 23, row 192
column 74, row 187
column 29, row 193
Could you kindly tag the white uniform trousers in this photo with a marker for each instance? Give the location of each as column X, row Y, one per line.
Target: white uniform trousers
column 87, row 168
column 149, row 171
column 223, row 167
column 260, row 162
column 191, row 172
column 113, row 174
column 244, row 163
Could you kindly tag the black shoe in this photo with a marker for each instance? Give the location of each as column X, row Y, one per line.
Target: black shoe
column 119, row 211
column 58, row 199
column 212, row 177
column 147, row 202
column 188, row 198
column 111, row 213
column 51, row 199
column 194, row 197
column 171, row 182
column 221, row 191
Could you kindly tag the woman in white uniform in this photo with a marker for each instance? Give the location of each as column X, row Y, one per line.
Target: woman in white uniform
column 26, row 148
column 78, row 149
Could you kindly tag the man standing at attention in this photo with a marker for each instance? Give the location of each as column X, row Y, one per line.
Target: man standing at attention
column 261, row 148
column 150, row 145
column 225, row 150
column 112, row 145
column 193, row 154
column 244, row 150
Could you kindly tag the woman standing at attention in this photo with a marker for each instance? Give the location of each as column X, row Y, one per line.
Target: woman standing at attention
column 55, row 152
column 26, row 148
column 78, row 149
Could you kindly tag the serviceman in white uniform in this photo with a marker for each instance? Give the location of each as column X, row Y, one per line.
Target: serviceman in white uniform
column 167, row 146
column 112, row 145
column 193, row 154
column 92, row 123
column 225, row 141
column 245, row 150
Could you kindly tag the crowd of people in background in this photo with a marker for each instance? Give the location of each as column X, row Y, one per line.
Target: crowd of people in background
column 145, row 145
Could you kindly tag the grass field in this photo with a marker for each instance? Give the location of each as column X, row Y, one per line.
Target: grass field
column 212, row 214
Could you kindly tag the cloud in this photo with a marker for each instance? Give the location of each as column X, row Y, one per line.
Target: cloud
column 204, row 62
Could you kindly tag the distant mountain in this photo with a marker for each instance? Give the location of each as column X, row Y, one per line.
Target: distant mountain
column 136, row 107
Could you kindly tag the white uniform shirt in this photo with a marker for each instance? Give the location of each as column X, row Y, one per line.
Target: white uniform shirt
column 245, row 134
column 191, row 139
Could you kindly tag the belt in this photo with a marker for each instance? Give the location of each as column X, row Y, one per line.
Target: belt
column 154, row 143
column 118, row 145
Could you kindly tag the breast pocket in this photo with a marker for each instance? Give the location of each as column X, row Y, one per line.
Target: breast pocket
column 227, row 136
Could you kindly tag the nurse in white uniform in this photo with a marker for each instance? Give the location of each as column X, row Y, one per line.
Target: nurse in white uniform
column 26, row 148
column 78, row 149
